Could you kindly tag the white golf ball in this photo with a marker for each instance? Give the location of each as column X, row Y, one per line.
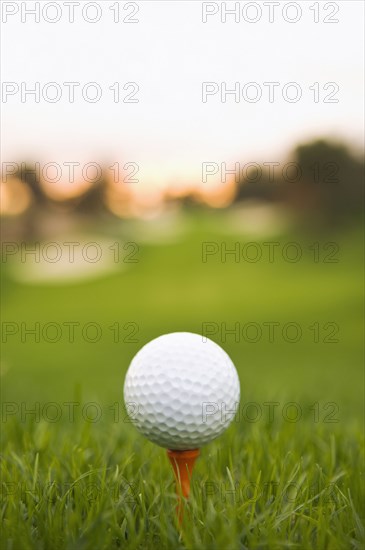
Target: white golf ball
column 181, row 391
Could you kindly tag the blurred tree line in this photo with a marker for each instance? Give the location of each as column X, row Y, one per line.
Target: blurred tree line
column 321, row 180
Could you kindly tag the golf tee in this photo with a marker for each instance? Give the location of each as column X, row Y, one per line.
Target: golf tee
column 182, row 463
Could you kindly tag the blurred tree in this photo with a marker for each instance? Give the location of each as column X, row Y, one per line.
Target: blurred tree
column 29, row 176
column 28, row 226
column 45, row 214
column 92, row 201
column 320, row 179
column 334, row 176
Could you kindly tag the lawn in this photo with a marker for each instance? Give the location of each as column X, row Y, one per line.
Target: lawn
column 289, row 471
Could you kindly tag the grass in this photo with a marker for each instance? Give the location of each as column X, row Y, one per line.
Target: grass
column 262, row 487
column 268, row 483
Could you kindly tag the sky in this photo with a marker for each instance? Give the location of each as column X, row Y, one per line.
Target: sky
column 169, row 52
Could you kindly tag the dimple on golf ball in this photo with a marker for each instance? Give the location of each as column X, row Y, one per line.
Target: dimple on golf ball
column 181, row 390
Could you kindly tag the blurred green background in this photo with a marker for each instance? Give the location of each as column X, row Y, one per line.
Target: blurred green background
column 170, row 289
column 171, row 269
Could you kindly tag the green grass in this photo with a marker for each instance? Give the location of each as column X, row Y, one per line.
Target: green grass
column 264, row 484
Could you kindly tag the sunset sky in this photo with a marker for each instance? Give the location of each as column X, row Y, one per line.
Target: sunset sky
column 169, row 53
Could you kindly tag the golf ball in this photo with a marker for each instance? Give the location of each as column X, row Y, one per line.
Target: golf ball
column 181, row 391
